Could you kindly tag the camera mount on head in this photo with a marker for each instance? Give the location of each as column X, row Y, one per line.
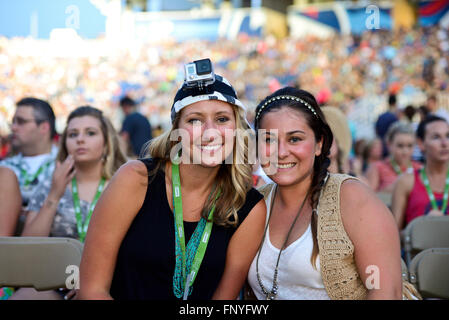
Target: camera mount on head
column 199, row 74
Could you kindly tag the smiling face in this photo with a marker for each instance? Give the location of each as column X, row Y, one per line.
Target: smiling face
column 209, row 126
column 295, row 144
column 85, row 140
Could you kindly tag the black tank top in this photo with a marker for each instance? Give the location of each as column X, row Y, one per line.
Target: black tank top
column 146, row 259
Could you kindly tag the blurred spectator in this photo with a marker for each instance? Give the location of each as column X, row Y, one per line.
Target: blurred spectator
column 88, row 157
column 382, row 174
column 422, row 192
column 434, row 108
column 157, row 131
column 341, row 146
column 409, row 113
column 4, row 147
column 372, row 153
column 423, row 112
column 385, row 120
column 136, row 129
column 33, row 127
column 358, row 161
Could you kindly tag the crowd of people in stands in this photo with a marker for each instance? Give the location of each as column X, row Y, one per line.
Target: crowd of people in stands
column 372, row 107
column 354, row 73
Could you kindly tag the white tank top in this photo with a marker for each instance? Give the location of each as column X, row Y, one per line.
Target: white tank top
column 297, row 279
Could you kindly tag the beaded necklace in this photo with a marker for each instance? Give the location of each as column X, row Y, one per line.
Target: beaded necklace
column 274, row 290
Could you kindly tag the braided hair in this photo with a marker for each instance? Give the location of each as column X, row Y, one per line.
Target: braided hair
column 304, row 102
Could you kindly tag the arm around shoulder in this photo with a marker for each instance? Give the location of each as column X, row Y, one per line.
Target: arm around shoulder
column 111, row 219
column 373, row 232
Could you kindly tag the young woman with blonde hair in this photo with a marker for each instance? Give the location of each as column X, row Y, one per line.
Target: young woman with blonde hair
column 185, row 222
column 89, row 155
column 382, row 174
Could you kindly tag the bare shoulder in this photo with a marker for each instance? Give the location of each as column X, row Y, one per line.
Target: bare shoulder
column 131, row 172
column 359, row 200
column 363, row 213
column 7, row 173
column 354, row 191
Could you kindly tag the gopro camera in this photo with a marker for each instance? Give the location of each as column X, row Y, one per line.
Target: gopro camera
column 199, row 73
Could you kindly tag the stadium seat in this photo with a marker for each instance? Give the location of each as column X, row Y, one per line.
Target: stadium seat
column 38, row 262
column 424, row 233
column 429, row 272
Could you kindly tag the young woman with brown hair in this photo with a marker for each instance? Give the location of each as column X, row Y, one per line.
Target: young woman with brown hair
column 325, row 233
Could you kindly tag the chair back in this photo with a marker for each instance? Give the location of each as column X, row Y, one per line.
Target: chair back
column 429, row 272
column 38, row 262
column 424, row 233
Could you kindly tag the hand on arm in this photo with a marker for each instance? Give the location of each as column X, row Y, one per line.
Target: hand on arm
column 241, row 252
column 39, row 223
column 372, row 230
column 111, row 219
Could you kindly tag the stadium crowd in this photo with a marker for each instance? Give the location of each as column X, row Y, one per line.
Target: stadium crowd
column 355, row 73
column 362, row 77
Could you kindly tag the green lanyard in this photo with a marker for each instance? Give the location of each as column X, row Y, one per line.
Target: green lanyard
column 179, row 224
column 82, row 227
column 397, row 169
column 430, row 192
column 31, row 178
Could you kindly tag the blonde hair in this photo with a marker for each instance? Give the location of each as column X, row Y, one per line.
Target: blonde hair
column 397, row 128
column 114, row 156
column 232, row 180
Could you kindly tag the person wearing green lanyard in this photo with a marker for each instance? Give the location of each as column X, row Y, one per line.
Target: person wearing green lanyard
column 88, row 157
column 184, row 223
column 382, row 174
column 32, row 132
column 425, row 191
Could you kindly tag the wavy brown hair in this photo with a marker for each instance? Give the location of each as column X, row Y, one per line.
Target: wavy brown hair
column 114, row 156
column 320, row 129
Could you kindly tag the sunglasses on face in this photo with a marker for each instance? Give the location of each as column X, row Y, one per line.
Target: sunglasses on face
column 22, row 121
